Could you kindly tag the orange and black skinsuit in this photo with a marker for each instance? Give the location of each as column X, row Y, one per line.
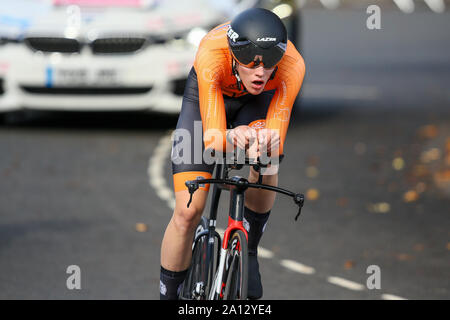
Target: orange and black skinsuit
column 212, row 97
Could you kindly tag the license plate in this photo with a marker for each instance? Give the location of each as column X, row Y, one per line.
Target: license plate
column 81, row 77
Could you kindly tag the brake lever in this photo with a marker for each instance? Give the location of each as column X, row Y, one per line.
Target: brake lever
column 257, row 168
column 192, row 187
column 299, row 200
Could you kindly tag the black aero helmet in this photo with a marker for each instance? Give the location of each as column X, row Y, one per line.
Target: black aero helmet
column 257, row 36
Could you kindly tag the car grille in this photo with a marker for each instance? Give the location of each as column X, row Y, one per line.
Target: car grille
column 117, row 45
column 47, row 44
column 98, row 46
column 87, row 90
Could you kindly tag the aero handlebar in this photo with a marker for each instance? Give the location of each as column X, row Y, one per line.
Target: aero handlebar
column 244, row 184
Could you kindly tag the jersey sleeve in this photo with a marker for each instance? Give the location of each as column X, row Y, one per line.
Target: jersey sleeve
column 290, row 74
column 210, row 73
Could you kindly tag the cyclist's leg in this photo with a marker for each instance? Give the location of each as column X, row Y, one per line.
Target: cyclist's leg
column 177, row 242
column 176, row 247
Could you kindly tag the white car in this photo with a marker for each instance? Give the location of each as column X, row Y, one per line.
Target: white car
column 82, row 55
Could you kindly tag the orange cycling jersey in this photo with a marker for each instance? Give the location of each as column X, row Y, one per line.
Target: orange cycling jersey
column 213, row 65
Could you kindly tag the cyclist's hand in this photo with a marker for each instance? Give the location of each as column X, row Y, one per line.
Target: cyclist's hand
column 268, row 142
column 242, row 136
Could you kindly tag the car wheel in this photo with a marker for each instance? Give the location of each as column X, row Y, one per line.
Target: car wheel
column 2, row 117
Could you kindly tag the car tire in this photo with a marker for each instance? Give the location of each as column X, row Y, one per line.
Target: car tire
column 2, row 118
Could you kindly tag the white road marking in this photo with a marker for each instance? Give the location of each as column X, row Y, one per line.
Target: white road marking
column 156, row 171
column 437, row 6
column 264, row 253
column 407, row 6
column 220, row 231
column 345, row 283
column 297, row 267
column 387, row 296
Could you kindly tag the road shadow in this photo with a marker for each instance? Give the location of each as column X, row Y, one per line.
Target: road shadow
column 305, row 111
column 60, row 120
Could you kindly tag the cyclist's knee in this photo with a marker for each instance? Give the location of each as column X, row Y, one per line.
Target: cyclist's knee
column 186, row 219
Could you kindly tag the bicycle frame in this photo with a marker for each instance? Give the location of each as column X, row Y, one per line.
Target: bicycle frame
column 235, row 222
column 237, row 187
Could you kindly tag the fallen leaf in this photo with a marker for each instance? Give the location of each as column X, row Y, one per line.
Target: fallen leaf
column 312, row 172
column 420, row 171
column 313, row 160
column 430, row 155
column 429, row 131
column 141, row 227
column 442, row 176
column 403, row 257
column 421, row 187
column 419, row 247
column 349, row 264
column 410, row 196
column 448, row 245
column 380, row 207
column 342, row 202
column 312, row 194
column 398, row 163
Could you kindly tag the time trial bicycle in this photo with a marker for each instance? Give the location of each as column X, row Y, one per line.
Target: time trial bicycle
column 219, row 267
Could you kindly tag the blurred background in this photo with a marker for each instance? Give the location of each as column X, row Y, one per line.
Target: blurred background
column 91, row 89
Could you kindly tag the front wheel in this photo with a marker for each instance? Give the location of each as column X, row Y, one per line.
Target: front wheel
column 197, row 283
column 236, row 284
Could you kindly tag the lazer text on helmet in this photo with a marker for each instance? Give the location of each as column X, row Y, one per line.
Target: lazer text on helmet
column 266, row 39
column 232, row 34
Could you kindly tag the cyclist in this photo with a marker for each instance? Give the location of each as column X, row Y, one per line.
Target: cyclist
column 244, row 82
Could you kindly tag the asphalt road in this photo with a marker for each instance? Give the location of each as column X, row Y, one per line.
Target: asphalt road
column 369, row 146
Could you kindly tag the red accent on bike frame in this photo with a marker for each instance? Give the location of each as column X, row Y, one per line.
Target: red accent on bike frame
column 232, row 225
column 221, row 290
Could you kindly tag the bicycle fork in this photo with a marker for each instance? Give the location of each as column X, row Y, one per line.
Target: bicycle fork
column 235, row 222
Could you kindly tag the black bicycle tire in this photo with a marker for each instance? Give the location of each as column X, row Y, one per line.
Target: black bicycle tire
column 198, row 264
column 242, row 275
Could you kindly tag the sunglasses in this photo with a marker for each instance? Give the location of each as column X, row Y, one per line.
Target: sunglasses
column 249, row 55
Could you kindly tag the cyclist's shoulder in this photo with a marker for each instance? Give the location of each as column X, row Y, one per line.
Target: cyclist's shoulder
column 217, row 36
column 292, row 58
column 291, row 69
column 213, row 53
column 214, row 42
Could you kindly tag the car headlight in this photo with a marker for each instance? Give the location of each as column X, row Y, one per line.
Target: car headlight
column 196, row 35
